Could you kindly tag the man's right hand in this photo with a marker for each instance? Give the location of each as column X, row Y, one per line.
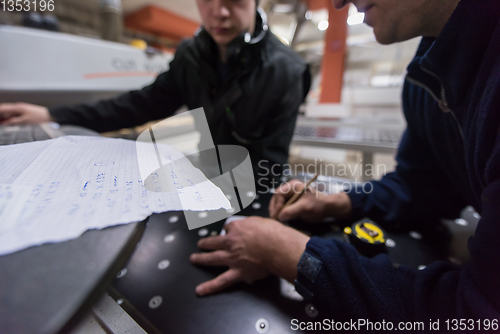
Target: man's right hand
column 23, row 114
column 312, row 206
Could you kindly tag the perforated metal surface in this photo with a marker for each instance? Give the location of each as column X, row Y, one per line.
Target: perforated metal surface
column 242, row 308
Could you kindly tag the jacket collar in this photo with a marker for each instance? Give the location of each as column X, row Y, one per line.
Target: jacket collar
column 446, row 66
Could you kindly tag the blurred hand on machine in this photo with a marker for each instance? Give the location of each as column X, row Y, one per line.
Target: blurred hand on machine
column 313, row 206
column 253, row 248
column 23, row 114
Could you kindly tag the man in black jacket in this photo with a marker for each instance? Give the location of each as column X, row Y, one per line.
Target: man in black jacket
column 249, row 84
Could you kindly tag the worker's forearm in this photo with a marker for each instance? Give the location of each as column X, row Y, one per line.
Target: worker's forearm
column 285, row 252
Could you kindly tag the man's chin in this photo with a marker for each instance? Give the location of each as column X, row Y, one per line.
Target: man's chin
column 383, row 37
column 385, row 41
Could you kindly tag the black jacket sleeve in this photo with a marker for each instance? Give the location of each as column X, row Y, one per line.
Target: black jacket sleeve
column 156, row 101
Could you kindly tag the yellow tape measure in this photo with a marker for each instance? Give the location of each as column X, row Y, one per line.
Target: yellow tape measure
column 367, row 237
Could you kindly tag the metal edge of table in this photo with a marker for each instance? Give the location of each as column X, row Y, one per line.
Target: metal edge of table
column 102, row 285
column 132, row 311
column 355, row 146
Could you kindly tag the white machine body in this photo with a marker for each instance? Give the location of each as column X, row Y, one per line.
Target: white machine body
column 51, row 68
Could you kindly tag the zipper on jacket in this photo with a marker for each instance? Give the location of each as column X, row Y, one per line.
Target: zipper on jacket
column 447, row 109
column 443, row 104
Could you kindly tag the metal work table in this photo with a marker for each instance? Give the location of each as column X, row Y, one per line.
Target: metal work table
column 369, row 138
column 46, row 289
column 158, row 286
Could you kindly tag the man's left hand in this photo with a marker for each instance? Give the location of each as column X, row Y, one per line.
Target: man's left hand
column 253, row 249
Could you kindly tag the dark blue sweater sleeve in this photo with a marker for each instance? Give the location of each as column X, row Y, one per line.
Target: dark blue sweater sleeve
column 411, row 192
column 349, row 286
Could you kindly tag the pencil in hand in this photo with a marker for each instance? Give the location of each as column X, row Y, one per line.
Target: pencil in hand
column 295, row 197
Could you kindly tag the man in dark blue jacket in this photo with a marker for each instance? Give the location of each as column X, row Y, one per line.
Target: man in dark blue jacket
column 449, row 157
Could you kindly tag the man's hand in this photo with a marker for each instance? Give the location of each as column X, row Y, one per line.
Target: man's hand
column 253, row 249
column 312, row 206
column 23, row 114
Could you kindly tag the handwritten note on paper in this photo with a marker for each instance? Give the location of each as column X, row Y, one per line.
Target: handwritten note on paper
column 79, row 183
column 12, row 200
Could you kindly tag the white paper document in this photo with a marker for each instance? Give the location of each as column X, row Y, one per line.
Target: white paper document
column 55, row 190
